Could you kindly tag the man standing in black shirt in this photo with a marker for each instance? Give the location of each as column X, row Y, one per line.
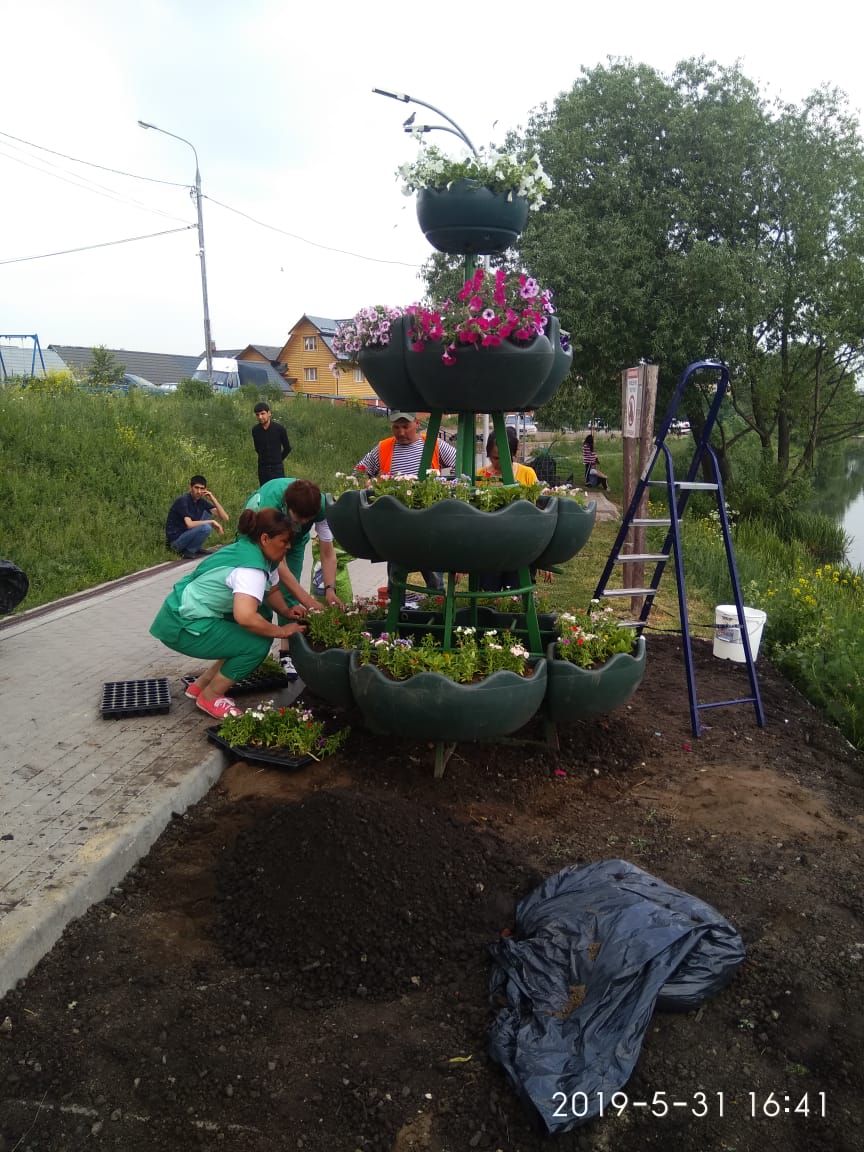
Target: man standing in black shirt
column 271, row 443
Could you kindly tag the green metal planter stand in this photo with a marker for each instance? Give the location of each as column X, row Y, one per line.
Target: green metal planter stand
column 466, row 450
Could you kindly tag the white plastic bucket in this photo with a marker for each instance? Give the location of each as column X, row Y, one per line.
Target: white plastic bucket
column 727, row 632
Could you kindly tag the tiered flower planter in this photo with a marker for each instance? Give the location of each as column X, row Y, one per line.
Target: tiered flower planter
column 454, row 536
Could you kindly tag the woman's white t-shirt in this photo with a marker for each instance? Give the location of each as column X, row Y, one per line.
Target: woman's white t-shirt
column 251, row 582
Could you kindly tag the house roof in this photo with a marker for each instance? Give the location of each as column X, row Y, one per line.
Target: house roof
column 326, row 326
column 157, row 367
column 15, row 361
column 269, row 351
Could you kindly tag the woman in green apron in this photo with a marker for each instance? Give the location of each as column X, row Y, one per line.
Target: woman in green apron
column 304, row 503
column 215, row 613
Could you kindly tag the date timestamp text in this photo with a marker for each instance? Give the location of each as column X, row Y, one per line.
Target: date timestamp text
column 582, row 1105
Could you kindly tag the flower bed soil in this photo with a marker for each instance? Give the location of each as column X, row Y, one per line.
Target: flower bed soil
column 300, row 962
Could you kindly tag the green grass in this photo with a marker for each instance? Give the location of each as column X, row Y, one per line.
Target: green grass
column 89, row 478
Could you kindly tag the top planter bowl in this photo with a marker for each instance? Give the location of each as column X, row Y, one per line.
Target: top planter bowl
column 468, row 218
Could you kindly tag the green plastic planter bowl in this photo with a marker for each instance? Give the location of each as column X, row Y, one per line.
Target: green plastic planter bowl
column 324, row 673
column 573, row 526
column 561, row 364
column 384, row 368
column 343, row 516
column 467, row 217
column 452, row 536
column 493, row 379
column 575, row 692
column 431, row 707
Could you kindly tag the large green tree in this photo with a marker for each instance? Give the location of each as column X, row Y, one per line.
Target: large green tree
column 690, row 217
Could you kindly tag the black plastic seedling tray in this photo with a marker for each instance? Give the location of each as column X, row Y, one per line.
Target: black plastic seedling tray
column 252, row 754
column 135, row 698
column 256, row 682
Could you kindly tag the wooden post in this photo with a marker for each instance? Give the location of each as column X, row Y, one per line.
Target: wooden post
column 638, row 403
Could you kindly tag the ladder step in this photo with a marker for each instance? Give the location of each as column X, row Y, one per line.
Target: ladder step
column 727, row 703
column 637, row 557
column 629, row 592
column 697, row 486
column 640, row 523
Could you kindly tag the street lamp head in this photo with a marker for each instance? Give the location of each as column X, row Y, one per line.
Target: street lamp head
column 393, row 95
column 144, row 124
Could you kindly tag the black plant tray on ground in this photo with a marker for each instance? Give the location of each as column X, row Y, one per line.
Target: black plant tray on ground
column 252, row 754
column 256, row 682
column 135, row 698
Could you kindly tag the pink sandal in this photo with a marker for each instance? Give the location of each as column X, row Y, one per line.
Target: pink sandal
column 219, row 708
column 193, row 691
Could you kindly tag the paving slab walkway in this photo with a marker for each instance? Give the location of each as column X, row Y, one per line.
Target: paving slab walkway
column 82, row 797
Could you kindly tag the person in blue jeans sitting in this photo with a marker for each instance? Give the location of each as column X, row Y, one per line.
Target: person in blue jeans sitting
column 190, row 520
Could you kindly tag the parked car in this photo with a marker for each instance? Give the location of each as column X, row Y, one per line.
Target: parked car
column 228, row 373
column 523, row 424
column 130, row 380
column 679, row 427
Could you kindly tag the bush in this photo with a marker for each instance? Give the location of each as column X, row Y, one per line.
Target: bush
column 191, row 389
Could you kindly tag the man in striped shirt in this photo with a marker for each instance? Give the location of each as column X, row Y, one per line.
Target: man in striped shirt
column 399, row 455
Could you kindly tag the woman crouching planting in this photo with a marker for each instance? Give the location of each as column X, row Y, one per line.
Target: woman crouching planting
column 216, row 612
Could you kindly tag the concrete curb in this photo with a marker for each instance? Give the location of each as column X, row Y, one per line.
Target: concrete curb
column 28, row 932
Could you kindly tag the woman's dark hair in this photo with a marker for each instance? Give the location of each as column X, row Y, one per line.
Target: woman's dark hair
column 264, row 522
column 303, row 498
column 589, row 440
column 512, row 440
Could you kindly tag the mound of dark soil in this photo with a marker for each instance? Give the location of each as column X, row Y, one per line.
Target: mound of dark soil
column 348, row 896
column 300, row 962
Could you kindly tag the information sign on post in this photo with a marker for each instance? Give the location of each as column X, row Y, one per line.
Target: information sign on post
column 631, row 402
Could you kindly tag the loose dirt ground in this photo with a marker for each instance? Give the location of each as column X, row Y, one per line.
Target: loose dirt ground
column 301, row 962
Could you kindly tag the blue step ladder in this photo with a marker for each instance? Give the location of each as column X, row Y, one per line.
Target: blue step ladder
column 677, row 495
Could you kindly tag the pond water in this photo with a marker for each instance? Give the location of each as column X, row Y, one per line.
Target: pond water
column 840, row 494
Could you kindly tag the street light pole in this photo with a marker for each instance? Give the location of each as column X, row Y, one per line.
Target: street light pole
column 455, row 130
column 208, row 350
column 406, row 99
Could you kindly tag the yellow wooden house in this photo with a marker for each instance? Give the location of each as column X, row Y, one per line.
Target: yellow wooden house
column 312, row 368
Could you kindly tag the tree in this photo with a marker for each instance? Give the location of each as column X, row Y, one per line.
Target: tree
column 691, row 218
column 103, row 371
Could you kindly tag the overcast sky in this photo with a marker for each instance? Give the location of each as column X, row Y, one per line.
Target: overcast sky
column 277, row 99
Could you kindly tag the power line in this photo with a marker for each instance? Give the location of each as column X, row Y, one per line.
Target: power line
column 175, row 184
column 313, row 243
column 97, row 189
column 90, row 247
column 116, row 171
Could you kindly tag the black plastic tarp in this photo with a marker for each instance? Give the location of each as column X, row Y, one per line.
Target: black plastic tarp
column 596, row 949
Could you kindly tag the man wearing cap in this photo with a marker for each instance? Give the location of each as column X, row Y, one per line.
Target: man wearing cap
column 400, row 454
